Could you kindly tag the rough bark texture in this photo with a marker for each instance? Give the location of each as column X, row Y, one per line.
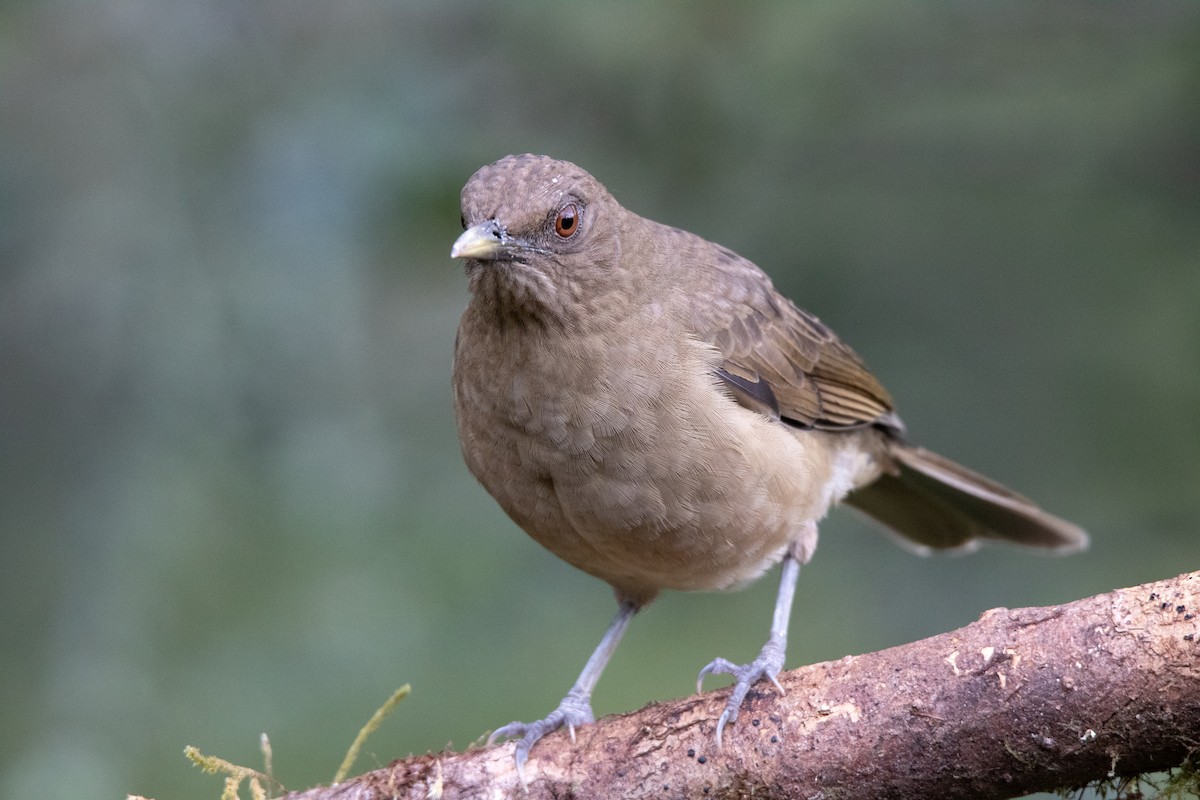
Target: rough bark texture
column 1019, row 701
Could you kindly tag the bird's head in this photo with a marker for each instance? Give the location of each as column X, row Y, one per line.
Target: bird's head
column 542, row 238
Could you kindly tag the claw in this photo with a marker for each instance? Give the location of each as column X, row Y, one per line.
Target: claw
column 767, row 665
column 506, row 732
column 575, row 709
column 770, row 660
column 520, row 758
column 721, row 726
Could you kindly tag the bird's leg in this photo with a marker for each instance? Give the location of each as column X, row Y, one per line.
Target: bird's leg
column 576, row 707
column 769, row 661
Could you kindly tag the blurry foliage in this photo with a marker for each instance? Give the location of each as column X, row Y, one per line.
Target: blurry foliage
column 232, row 499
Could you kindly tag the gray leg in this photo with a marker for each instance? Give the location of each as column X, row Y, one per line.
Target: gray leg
column 769, row 661
column 576, row 707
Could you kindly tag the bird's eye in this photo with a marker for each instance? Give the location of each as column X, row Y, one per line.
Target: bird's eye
column 463, row 219
column 567, row 221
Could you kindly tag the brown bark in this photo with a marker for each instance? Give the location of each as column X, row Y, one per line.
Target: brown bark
column 1020, row 701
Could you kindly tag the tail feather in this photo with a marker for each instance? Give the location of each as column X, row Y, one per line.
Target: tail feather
column 934, row 503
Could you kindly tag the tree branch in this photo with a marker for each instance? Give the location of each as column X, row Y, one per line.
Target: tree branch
column 1020, row 701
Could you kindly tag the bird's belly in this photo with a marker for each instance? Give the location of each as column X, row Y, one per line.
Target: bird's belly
column 648, row 483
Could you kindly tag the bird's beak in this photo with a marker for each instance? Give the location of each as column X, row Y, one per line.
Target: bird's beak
column 483, row 241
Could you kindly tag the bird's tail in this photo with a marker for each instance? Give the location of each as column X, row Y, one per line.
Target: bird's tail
column 933, row 503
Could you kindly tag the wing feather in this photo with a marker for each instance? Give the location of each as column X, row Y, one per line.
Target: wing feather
column 817, row 380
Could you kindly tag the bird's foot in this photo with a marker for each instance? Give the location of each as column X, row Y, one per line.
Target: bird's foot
column 575, row 709
column 767, row 665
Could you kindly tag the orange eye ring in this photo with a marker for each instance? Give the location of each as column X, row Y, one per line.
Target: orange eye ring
column 567, row 221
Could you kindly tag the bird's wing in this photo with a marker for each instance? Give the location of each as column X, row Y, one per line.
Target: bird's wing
column 782, row 360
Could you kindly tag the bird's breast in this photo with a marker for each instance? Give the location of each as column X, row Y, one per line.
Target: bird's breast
column 622, row 455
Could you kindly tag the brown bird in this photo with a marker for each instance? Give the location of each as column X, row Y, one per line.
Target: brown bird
column 645, row 405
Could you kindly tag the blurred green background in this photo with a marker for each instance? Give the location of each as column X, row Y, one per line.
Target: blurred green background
column 232, row 499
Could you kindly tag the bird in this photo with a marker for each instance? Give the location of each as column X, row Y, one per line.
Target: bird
column 649, row 408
